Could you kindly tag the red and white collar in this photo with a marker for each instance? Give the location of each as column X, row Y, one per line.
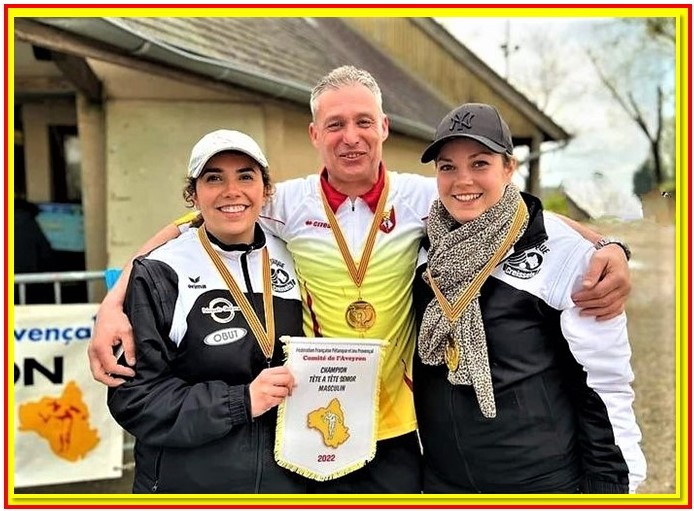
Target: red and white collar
column 336, row 198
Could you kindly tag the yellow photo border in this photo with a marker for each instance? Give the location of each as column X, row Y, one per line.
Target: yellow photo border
column 681, row 498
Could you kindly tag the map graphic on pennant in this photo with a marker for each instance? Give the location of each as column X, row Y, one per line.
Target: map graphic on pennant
column 330, row 423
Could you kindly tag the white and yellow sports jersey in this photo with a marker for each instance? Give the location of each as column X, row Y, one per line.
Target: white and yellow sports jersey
column 297, row 215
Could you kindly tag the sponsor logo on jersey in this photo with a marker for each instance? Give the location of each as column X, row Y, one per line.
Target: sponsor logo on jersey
column 195, row 283
column 281, row 281
column 525, row 265
column 225, row 336
column 221, row 310
column 318, row 223
column 388, row 221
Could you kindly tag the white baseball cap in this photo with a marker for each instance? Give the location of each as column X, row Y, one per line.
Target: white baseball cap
column 219, row 141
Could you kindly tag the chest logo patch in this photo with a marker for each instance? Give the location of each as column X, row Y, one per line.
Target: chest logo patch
column 194, row 283
column 225, row 336
column 221, row 310
column 388, row 220
column 321, row 224
column 281, row 280
column 524, row 265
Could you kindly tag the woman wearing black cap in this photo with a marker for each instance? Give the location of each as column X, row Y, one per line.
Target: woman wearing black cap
column 515, row 392
column 207, row 314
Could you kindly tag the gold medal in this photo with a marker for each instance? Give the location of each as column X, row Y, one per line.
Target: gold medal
column 452, row 355
column 360, row 315
column 453, row 312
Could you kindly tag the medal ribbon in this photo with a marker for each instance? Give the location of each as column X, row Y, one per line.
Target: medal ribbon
column 357, row 274
column 266, row 339
column 453, row 312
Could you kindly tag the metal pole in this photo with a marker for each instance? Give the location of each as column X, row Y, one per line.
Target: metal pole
column 22, row 294
column 56, row 292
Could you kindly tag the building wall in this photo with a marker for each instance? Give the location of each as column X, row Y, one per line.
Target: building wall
column 402, row 154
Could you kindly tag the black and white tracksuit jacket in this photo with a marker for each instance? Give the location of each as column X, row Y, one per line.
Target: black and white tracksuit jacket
column 565, row 422
column 188, row 405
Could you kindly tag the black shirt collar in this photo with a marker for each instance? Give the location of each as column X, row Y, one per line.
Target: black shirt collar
column 257, row 243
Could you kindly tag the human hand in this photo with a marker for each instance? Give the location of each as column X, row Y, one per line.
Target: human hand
column 606, row 284
column 269, row 389
column 111, row 328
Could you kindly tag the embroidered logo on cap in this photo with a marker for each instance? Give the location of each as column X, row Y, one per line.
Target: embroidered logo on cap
column 458, row 122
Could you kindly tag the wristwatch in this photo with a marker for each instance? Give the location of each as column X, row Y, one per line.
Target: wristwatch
column 603, row 242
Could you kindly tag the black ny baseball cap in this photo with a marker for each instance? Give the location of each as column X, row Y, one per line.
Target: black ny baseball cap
column 477, row 121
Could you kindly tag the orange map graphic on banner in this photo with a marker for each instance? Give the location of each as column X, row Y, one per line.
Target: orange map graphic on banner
column 330, row 423
column 63, row 421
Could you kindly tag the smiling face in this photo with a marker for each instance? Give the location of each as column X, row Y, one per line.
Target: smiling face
column 470, row 178
column 229, row 194
column 348, row 131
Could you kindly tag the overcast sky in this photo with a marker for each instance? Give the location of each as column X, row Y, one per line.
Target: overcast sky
column 605, row 139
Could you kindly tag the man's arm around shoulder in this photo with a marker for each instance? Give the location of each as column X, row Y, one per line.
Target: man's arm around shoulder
column 112, row 327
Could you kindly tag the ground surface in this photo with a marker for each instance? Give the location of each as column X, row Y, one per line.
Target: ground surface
column 651, row 324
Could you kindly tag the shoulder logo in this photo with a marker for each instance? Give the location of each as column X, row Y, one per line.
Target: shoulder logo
column 526, row 264
column 281, row 281
column 322, row 224
column 225, row 336
column 221, row 310
column 388, row 220
column 194, row 283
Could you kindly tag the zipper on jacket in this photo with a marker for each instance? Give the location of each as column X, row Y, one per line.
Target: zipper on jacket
column 247, row 277
column 157, row 469
column 249, row 289
column 259, row 455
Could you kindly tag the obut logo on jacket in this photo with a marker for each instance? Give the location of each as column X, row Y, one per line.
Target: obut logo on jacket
column 225, row 336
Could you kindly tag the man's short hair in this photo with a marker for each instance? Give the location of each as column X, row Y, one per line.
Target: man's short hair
column 342, row 77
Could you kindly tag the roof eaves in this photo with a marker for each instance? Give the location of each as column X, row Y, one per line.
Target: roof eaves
column 117, row 34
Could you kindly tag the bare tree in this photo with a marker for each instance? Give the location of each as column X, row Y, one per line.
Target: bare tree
column 543, row 78
column 661, row 28
column 637, row 76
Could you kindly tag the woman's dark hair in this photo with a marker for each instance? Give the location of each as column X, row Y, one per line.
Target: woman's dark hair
column 189, row 187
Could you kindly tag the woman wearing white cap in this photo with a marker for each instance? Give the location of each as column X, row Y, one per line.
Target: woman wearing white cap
column 515, row 392
column 207, row 310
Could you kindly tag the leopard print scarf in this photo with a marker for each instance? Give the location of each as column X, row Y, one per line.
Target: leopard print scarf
column 457, row 254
